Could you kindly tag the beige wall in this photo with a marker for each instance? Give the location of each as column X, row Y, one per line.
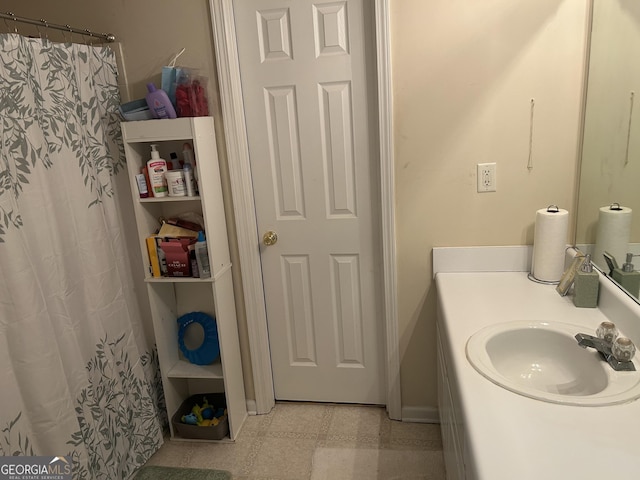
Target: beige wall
column 464, row 73
column 151, row 31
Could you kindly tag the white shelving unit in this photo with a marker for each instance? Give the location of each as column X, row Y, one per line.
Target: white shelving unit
column 170, row 298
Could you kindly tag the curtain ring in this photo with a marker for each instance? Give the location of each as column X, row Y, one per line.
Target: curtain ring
column 88, row 32
column 46, row 32
column 15, row 22
column 70, row 31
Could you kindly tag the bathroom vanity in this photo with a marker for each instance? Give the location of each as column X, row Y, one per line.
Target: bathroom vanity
column 492, row 433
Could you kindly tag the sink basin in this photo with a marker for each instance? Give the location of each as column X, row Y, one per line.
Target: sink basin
column 542, row 360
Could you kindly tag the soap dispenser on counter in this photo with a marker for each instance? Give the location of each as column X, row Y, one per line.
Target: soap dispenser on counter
column 627, row 277
column 586, row 285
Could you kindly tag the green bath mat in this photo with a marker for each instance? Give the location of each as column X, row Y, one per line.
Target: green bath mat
column 172, row 473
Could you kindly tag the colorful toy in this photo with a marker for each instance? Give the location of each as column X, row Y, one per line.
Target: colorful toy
column 190, row 419
column 205, row 415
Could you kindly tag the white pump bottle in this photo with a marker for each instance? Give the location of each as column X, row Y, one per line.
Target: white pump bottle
column 157, row 168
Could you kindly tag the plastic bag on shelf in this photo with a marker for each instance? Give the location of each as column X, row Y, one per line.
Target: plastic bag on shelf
column 169, row 77
column 191, row 95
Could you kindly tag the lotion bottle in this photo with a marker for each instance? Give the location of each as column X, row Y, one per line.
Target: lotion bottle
column 586, row 286
column 628, row 277
column 157, row 168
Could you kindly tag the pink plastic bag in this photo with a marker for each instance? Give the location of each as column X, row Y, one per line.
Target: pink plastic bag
column 191, row 96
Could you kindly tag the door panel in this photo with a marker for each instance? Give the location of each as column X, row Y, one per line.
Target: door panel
column 298, row 309
column 309, row 111
column 284, row 149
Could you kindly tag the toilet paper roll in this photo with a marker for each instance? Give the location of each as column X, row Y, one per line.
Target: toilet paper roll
column 549, row 244
column 612, row 234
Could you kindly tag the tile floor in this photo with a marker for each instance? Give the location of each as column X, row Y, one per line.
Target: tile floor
column 305, row 441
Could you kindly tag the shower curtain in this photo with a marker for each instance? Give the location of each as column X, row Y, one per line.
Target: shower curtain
column 77, row 376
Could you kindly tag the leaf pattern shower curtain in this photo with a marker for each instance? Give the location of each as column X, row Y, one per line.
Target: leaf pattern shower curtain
column 77, row 376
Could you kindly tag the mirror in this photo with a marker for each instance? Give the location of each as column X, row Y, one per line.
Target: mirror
column 610, row 166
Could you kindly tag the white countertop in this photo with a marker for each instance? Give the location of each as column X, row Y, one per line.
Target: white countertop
column 512, row 437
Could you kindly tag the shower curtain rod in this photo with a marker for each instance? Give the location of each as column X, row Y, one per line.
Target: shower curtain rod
column 109, row 37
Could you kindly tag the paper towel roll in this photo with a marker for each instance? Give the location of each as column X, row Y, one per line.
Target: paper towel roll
column 549, row 244
column 612, row 234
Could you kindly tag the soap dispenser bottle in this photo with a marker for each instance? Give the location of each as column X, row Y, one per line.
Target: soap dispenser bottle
column 586, row 286
column 627, row 277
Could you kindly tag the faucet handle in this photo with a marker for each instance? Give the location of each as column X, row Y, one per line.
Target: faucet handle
column 607, row 331
column 623, row 349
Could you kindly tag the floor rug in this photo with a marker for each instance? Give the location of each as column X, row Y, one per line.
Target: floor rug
column 172, row 473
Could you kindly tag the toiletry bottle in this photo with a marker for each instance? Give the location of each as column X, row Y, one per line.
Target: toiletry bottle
column 142, row 185
column 145, row 171
column 159, row 103
column 175, row 183
column 187, row 154
column 193, row 262
column 628, row 277
column 157, row 168
column 187, row 165
column 173, row 163
column 202, row 256
column 586, row 286
column 188, row 180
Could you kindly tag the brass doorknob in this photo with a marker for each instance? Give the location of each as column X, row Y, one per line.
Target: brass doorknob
column 270, row 238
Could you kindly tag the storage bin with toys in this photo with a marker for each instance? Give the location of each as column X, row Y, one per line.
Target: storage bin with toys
column 203, row 417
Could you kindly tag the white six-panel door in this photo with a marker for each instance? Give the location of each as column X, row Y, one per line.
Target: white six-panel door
column 307, row 79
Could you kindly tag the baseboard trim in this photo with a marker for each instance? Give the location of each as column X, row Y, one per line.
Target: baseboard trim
column 420, row 415
column 252, row 407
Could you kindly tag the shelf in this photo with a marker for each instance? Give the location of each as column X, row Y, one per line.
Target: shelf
column 169, row 199
column 146, row 131
column 219, row 271
column 177, row 438
column 169, row 297
column 178, row 280
column 185, row 369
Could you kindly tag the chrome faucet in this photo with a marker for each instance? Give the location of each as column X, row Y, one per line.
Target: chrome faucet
column 618, row 352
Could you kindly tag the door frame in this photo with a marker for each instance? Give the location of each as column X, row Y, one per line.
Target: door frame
column 228, row 69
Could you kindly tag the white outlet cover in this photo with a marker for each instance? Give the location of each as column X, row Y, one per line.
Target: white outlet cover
column 486, row 174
